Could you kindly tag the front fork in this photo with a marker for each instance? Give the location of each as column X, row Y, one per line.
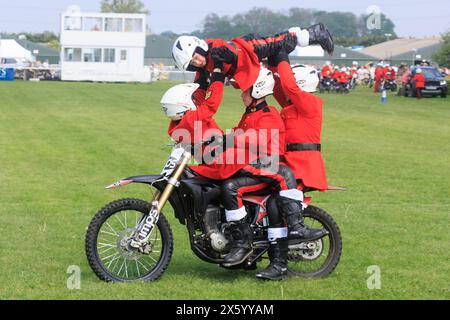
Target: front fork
column 148, row 221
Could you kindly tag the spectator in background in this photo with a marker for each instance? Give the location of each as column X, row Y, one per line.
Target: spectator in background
column 336, row 74
column 419, row 82
column 379, row 72
column 389, row 72
column 326, row 71
column 344, row 77
column 363, row 75
column 405, row 73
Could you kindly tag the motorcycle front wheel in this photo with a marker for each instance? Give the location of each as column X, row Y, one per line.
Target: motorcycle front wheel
column 316, row 259
column 107, row 243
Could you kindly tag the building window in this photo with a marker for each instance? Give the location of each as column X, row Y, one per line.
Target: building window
column 72, row 23
column 109, row 55
column 92, row 55
column 123, row 55
column 133, row 25
column 72, row 54
column 92, row 24
column 113, row 24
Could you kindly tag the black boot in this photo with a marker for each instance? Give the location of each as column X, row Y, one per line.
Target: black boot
column 277, row 269
column 319, row 34
column 241, row 234
column 298, row 230
column 292, row 212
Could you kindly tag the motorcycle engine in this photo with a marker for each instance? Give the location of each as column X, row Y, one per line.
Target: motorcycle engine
column 218, row 241
column 213, row 226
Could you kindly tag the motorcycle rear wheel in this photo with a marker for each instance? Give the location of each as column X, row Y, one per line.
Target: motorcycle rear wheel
column 105, row 244
column 323, row 255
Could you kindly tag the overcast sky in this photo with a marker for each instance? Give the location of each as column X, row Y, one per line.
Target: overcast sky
column 412, row 17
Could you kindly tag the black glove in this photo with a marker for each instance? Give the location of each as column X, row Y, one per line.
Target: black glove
column 275, row 60
column 221, row 55
column 202, row 79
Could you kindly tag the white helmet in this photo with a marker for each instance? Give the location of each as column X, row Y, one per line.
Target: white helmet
column 355, row 63
column 263, row 85
column 178, row 99
column 307, row 77
column 418, row 70
column 344, row 69
column 184, row 48
column 328, row 63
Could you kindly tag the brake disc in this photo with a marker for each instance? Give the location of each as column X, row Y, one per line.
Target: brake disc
column 306, row 251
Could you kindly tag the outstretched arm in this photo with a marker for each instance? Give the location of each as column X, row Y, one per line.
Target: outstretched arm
column 201, row 78
column 212, row 98
column 305, row 102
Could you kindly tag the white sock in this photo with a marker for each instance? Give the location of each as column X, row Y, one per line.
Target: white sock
column 276, row 233
column 294, row 194
column 302, row 36
column 235, row 215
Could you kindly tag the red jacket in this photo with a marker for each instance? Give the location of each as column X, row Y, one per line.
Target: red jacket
column 269, row 132
column 303, row 121
column 326, row 71
column 247, row 69
column 343, row 77
column 187, row 130
column 419, row 79
column 336, row 74
column 389, row 74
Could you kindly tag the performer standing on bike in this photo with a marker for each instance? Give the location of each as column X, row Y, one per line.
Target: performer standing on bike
column 265, row 121
column 302, row 116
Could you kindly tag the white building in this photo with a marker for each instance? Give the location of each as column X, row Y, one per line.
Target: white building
column 102, row 47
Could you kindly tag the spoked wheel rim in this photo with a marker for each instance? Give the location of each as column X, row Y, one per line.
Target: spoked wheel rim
column 115, row 255
column 309, row 259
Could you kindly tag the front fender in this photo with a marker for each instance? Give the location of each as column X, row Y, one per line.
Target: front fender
column 156, row 181
column 147, row 179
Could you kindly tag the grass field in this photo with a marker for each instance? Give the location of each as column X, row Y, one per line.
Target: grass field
column 61, row 143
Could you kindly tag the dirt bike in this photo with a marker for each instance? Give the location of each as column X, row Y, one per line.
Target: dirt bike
column 325, row 85
column 131, row 239
column 390, row 85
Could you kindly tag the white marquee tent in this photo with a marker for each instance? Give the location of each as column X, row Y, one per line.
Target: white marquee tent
column 9, row 48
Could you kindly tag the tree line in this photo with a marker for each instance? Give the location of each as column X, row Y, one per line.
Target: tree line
column 347, row 28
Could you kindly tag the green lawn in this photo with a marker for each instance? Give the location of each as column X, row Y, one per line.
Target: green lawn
column 61, row 143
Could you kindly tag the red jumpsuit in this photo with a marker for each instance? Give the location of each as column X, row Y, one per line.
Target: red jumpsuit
column 302, row 117
column 249, row 50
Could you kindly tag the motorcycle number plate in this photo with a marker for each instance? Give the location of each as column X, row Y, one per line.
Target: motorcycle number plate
column 431, row 88
column 173, row 160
